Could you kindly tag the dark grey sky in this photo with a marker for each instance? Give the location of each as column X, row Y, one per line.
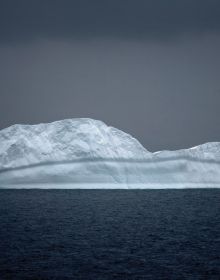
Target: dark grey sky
column 150, row 68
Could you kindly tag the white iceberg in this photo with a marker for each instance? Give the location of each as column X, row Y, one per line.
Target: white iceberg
column 86, row 153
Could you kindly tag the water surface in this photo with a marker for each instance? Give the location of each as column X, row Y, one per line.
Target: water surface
column 110, row 234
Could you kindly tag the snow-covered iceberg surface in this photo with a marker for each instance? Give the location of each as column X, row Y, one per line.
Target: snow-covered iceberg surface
column 86, row 153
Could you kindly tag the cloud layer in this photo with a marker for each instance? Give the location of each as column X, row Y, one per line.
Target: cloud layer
column 82, row 19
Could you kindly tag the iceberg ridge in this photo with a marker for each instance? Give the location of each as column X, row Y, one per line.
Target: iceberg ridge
column 86, row 153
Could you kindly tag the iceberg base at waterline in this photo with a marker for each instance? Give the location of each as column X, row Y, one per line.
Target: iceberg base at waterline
column 87, row 154
column 178, row 173
column 108, row 186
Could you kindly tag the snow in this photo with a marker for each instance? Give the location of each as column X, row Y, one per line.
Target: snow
column 86, row 153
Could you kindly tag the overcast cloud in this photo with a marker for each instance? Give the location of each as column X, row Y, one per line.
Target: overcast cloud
column 150, row 68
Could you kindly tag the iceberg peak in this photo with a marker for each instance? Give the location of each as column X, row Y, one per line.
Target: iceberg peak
column 64, row 140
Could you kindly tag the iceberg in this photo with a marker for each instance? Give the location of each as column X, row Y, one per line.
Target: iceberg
column 86, row 153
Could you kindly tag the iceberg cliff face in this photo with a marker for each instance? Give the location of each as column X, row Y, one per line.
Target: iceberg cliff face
column 88, row 153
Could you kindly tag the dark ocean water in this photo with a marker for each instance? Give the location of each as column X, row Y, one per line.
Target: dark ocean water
column 110, row 234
